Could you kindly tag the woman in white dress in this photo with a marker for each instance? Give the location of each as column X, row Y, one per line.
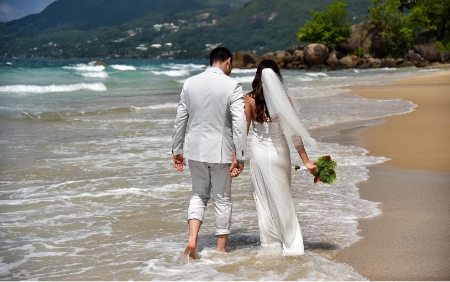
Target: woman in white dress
column 271, row 112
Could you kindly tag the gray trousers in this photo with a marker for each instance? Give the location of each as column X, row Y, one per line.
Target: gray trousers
column 207, row 179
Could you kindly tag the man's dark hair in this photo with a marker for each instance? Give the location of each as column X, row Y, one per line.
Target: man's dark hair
column 220, row 54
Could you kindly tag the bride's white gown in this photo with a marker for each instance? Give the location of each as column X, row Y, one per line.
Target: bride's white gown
column 271, row 176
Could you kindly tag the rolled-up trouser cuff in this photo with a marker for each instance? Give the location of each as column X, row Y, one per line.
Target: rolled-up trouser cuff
column 197, row 208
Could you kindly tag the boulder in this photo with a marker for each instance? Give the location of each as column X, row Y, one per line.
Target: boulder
column 400, row 62
column 289, row 59
column 358, row 38
column 366, row 65
column 334, row 57
column 387, row 63
column 413, row 56
column 360, row 61
column 100, row 63
column 315, row 54
column 446, row 56
column 429, row 52
column 269, row 56
column 409, row 64
column 241, row 59
column 422, row 64
column 347, row 61
column 298, row 53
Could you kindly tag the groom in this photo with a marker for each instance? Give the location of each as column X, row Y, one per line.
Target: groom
column 215, row 144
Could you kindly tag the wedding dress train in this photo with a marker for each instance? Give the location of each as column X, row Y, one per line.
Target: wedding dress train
column 270, row 169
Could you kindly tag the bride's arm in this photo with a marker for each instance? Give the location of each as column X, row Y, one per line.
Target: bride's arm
column 304, row 156
column 248, row 110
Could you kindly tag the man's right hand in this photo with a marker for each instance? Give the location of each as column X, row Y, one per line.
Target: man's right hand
column 179, row 162
column 236, row 168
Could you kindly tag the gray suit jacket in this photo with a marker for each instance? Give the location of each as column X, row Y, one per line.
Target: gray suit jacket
column 214, row 105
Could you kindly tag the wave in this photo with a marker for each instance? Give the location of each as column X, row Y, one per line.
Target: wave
column 85, row 67
column 172, row 73
column 183, row 66
column 101, row 74
column 243, row 71
column 316, row 74
column 245, row 79
column 123, row 67
column 156, row 107
column 98, row 86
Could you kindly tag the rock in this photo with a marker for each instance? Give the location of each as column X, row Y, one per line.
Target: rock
column 269, row 56
column 436, row 65
column 374, row 60
column 280, row 55
column 413, row 56
column 100, row 63
column 298, row 53
column 429, row 52
column 358, row 38
column 375, row 64
column 346, row 61
column 409, row 64
column 446, row 56
column 241, row 59
column 288, row 59
column 366, row 65
column 400, row 62
column 315, row 54
column 251, row 66
column 334, row 57
column 360, row 61
column 387, row 63
column 422, row 64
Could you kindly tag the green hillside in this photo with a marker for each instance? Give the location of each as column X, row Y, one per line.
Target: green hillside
column 183, row 28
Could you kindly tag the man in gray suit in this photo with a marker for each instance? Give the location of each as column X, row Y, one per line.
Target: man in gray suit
column 213, row 103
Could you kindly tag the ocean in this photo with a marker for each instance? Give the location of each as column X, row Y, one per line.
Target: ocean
column 88, row 191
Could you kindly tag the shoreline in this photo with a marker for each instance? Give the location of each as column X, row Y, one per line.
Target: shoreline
column 409, row 240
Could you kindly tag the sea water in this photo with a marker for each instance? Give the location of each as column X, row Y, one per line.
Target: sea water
column 88, row 191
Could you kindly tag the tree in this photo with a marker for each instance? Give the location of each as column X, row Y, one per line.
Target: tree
column 330, row 28
column 393, row 33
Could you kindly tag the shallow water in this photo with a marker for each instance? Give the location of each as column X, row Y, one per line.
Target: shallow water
column 87, row 190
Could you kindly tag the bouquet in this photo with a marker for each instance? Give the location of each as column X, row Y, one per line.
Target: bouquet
column 326, row 172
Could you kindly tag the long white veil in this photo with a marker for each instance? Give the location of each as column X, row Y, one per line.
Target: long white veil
column 283, row 109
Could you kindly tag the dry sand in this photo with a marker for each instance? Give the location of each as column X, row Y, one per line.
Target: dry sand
column 411, row 239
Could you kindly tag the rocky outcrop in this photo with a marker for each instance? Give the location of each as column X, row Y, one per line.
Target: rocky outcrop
column 429, row 52
column 315, row 54
column 359, row 37
column 100, row 63
column 246, row 59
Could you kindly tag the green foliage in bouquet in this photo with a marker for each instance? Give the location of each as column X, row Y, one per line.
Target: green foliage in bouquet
column 326, row 172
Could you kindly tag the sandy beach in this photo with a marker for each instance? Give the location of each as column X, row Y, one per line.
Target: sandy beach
column 410, row 239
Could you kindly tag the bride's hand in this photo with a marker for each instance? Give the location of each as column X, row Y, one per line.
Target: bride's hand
column 311, row 167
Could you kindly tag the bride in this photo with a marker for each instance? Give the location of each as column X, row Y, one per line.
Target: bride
column 272, row 114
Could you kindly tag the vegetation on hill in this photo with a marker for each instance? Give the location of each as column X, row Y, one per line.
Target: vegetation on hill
column 176, row 28
column 329, row 28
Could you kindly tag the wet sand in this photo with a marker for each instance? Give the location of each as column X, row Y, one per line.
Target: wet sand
column 411, row 239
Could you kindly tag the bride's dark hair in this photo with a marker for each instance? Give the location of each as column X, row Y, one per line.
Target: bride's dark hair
column 262, row 114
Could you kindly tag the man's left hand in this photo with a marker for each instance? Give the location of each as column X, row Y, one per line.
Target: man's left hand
column 179, row 162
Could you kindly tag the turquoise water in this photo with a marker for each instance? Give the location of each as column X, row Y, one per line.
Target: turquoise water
column 87, row 190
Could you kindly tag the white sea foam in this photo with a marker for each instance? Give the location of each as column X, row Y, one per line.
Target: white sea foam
column 9, row 63
column 156, row 107
column 85, row 67
column 123, row 67
column 243, row 71
column 98, row 86
column 100, row 74
column 316, row 74
column 172, row 73
column 245, row 79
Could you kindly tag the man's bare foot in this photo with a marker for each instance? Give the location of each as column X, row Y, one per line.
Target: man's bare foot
column 191, row 251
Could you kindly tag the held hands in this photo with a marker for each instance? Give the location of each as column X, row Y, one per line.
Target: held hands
column 236, row 168
column 179, row 162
